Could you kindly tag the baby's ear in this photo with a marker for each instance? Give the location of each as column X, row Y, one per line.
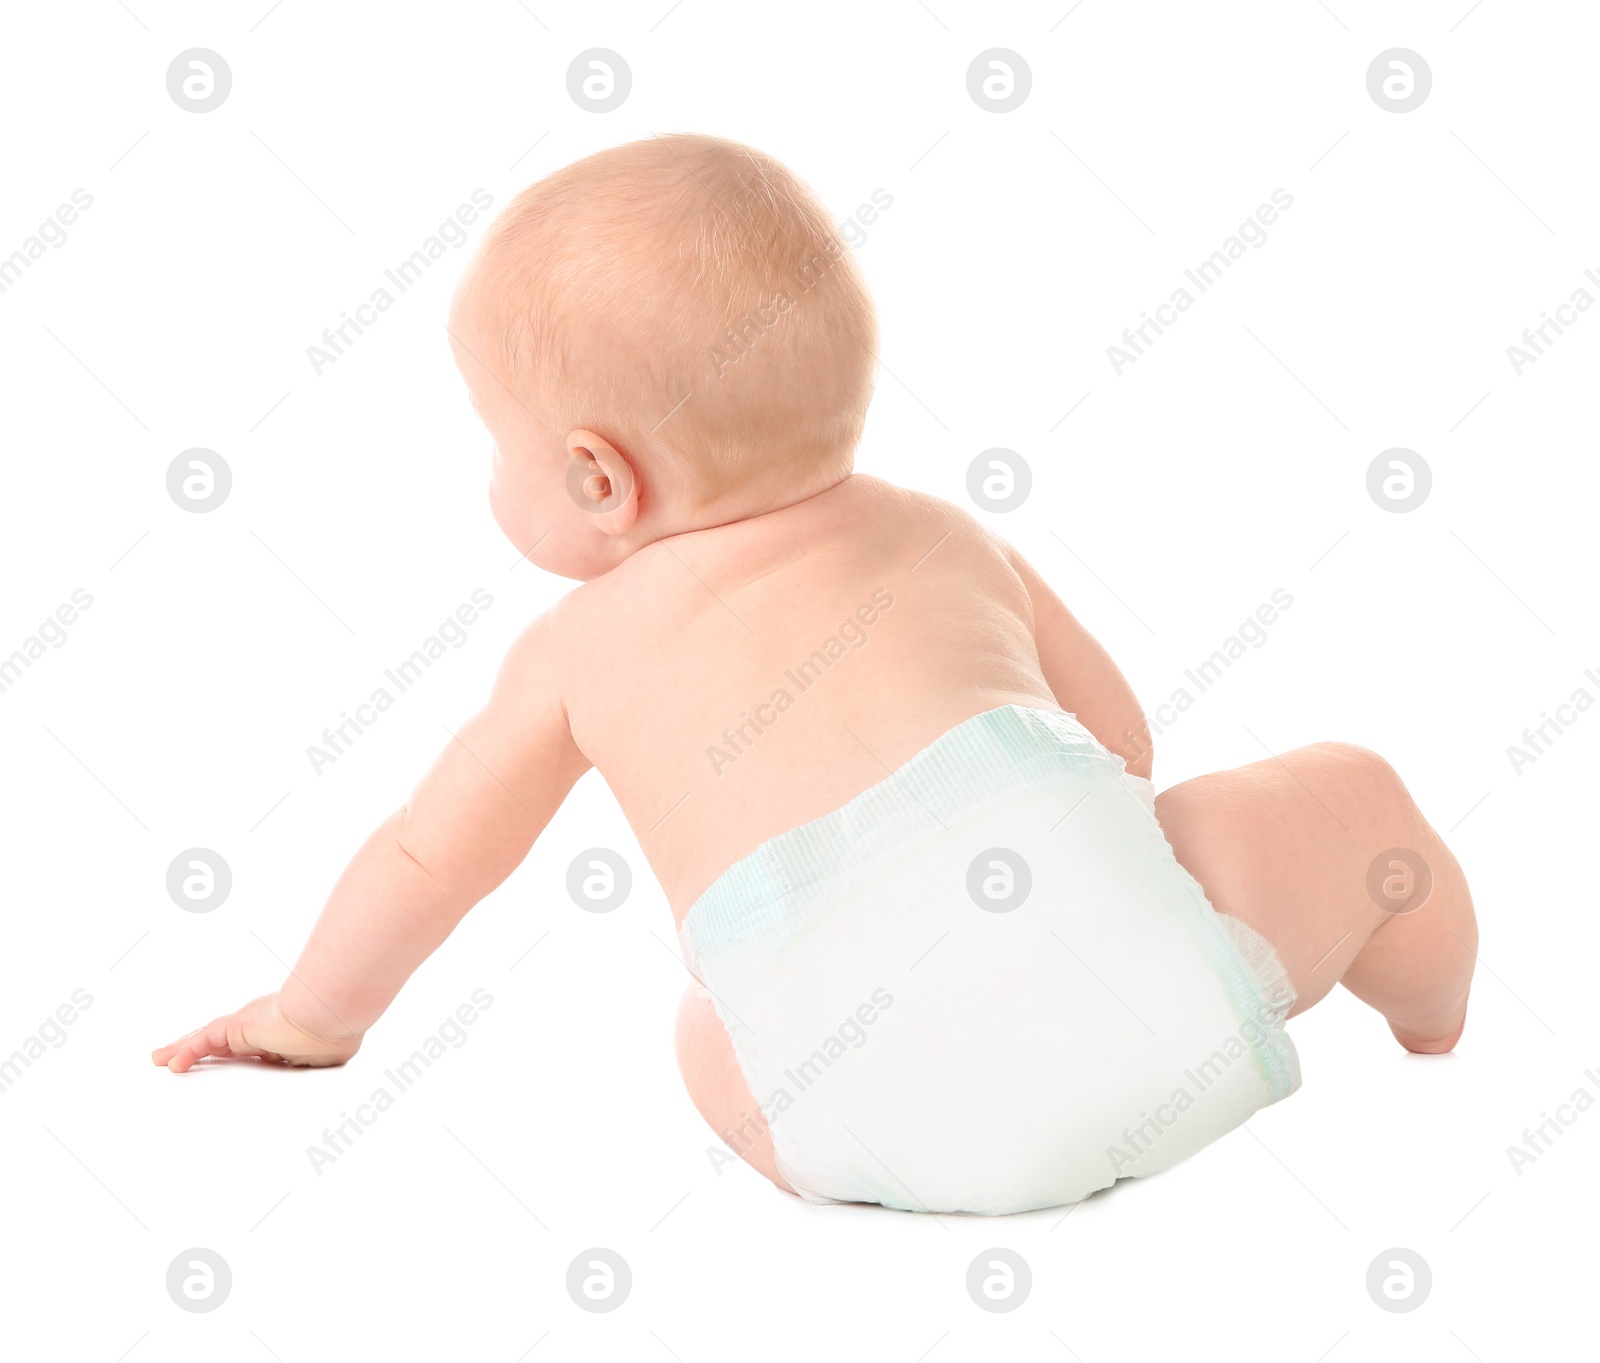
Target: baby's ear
column 603, row 482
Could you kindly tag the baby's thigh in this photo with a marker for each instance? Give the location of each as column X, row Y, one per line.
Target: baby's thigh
column 717, row 1085
column 1285, row 845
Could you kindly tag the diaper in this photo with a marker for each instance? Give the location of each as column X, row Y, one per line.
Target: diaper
column 986, row 984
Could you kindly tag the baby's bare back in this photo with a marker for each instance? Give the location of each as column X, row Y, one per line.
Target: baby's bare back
column 735, row 682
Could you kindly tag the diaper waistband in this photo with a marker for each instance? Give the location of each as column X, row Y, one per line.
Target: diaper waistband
column 1004, row 751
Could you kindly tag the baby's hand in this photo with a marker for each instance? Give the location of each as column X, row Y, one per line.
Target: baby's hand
column 257, row 1029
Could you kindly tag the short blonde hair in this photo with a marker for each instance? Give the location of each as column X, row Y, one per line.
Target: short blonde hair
column 691, row 300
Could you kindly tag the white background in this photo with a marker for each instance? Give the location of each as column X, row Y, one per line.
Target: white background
column 1228, row 461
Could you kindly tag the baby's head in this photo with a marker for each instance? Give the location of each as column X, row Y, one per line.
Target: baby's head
column 666, row 335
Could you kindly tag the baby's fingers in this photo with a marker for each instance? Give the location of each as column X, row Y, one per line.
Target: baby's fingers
column 162, row 1054
column 211, row 1039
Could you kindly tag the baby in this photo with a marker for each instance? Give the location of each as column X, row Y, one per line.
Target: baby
column 947, row 952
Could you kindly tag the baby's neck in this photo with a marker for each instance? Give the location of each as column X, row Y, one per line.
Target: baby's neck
column 742, row 504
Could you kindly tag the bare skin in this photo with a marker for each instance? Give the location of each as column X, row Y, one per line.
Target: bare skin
column 663, row 670
column 1286, row 844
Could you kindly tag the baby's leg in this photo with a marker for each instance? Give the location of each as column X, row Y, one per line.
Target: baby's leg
column 717, row 1085
column 1286, row 846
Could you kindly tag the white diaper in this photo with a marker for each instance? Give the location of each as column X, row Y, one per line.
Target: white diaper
column 986, row 985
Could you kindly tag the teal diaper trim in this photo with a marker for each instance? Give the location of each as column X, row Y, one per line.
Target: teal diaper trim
column 999, row 752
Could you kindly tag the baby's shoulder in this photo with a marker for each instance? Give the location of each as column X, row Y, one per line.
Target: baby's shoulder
column 873, row 501
column 886, row 509
column 615, row 603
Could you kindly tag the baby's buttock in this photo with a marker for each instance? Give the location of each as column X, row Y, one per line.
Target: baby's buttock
column 985, row 984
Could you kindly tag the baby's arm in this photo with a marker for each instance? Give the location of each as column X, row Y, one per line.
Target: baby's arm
column 467, row 826
column 1082, row 676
